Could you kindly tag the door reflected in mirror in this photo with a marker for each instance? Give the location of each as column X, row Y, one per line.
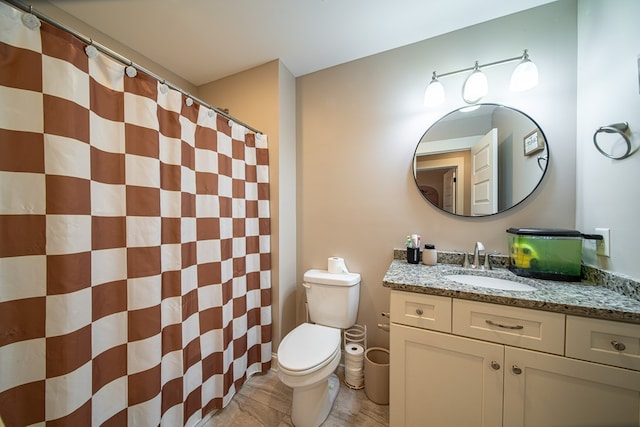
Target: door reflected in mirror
column 478, row 161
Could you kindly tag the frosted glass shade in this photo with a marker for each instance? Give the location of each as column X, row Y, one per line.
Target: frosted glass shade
column 524, row 77
column 434, row 95
column 475, row 87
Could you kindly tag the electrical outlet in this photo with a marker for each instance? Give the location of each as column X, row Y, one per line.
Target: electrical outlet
column 603, row 246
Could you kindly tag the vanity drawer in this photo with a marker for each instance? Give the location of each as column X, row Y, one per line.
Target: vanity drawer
column 518, row 327
column 420, row 310
column 604, row 341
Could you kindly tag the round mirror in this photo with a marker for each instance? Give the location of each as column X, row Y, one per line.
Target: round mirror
column 480, row 160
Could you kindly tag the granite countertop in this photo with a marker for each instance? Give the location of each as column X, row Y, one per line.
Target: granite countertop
column 575, row 298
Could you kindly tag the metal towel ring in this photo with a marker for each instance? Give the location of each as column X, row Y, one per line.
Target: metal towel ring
column 542, row 159
column 619, row 128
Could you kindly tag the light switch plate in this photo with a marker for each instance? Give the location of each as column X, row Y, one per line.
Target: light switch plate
column 603, row 246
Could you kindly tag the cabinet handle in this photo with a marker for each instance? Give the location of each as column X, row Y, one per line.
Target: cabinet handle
column 618, row 345
column 492, row 323
column 495, row 365
column 516, row 369
column 419, row 311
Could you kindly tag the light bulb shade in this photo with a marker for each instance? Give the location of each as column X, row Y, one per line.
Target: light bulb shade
column 524, row 77
column 475, row 87
column 434, row 95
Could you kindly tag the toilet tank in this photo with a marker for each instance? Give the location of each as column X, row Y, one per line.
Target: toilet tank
column 332, row 298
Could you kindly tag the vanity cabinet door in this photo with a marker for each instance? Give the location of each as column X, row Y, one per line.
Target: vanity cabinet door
column 547, row 390
column 443, row 380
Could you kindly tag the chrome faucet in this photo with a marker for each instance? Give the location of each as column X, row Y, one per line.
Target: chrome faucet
column 476, row 255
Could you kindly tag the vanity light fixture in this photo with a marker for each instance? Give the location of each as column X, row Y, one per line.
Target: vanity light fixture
column 434, row 95
column 475, row 87
column 525, row 76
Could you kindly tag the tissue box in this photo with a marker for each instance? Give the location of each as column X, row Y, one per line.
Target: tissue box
column 542, row 253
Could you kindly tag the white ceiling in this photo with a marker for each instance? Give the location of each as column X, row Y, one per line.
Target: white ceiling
column 204, row 40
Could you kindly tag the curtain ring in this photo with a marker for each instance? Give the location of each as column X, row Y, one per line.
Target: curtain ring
column 619, row 128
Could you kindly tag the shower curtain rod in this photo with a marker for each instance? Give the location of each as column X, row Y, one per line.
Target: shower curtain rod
column 29, row 9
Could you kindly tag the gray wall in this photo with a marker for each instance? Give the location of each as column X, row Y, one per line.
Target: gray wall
column 359, row 123
column 608, row 92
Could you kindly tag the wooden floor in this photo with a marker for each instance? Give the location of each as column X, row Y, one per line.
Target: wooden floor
column 264, row 401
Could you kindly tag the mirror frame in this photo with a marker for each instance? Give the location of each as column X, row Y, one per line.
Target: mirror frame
column 545, row 151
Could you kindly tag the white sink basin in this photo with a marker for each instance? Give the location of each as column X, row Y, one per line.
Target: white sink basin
column 489, row 282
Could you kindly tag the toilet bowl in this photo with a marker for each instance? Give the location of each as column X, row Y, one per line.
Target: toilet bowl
column 307, row 359
column 309, row 355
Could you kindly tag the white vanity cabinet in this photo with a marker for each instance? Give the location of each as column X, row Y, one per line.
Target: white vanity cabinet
column 465, row 363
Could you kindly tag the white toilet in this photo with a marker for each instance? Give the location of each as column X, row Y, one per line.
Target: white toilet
column 309, row 355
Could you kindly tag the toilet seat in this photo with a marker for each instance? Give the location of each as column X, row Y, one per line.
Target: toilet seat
column 308, row 348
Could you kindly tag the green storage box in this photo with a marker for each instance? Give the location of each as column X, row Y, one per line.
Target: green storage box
column 547, row 253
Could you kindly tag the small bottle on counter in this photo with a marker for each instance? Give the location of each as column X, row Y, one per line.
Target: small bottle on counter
column 429, row 254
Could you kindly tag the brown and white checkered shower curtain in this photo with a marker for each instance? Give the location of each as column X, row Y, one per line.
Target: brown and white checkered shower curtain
column 134, row 242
